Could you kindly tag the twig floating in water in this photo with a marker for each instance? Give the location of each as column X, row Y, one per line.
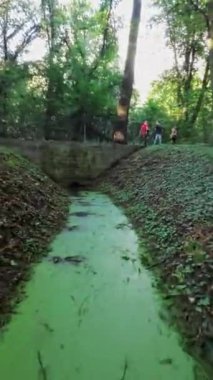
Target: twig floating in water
column 125, row 370
column 47, row 327
column 41, row 366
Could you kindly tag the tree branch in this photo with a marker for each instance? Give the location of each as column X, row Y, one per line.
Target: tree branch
column 30, row 35
column 16, row 31
column 104, row 40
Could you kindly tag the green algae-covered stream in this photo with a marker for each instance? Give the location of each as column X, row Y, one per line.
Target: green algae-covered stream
column 97, row 317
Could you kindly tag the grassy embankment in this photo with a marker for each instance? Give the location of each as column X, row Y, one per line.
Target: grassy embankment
column 168, row 194
column 33, row 209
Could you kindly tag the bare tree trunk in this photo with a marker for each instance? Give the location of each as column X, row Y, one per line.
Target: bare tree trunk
column 120, row 130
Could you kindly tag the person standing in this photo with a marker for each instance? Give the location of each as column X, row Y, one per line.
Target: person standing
column 173, row 135
column 144, row 131
column 158, row 133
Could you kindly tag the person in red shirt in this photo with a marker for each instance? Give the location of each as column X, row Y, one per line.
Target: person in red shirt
column 144, row 131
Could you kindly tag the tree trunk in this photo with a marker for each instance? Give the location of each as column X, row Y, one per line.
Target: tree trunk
column 210, row 37
column 49, row 17
column 120, row 130
column 4, row 35
column 3, row 82
column 189, row 63
column 201, row 96
column 49, row 114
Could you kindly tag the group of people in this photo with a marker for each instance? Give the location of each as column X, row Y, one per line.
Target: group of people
column 157, row 133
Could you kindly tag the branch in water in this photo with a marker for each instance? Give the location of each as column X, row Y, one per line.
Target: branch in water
column 41, row 366
column 125, row 370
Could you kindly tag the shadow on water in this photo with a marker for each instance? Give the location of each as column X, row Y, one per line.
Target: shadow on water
column 91, row 311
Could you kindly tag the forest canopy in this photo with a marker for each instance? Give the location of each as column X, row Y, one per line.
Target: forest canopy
column 73, row 91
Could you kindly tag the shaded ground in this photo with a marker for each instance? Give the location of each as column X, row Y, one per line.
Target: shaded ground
column 168, row 194
column 32, row 210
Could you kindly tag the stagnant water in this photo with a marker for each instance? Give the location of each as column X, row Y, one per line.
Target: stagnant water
column 97, row 318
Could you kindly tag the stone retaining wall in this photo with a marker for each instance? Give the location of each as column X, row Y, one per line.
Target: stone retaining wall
column 70, row 163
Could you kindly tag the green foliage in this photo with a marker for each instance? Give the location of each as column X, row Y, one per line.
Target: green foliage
column 21, row 103
column 91, row 70
column 76, row 83
column 152, row 111
column 185, row 91
column 162, row 105
column 73, row 91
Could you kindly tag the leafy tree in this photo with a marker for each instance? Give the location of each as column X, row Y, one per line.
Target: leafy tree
column 78, row 78
column 19, row 26
column 205, row 9
column 186, row 36
column 84, row 67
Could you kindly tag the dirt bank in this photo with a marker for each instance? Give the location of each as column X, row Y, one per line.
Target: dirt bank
column 168, row 195
column 33, row 209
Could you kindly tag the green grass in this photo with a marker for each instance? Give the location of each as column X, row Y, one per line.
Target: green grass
column 12, row 159
column 198, row 149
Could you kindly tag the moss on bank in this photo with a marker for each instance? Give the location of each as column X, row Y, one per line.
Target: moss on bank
column 168, row 195
column 33, row 209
